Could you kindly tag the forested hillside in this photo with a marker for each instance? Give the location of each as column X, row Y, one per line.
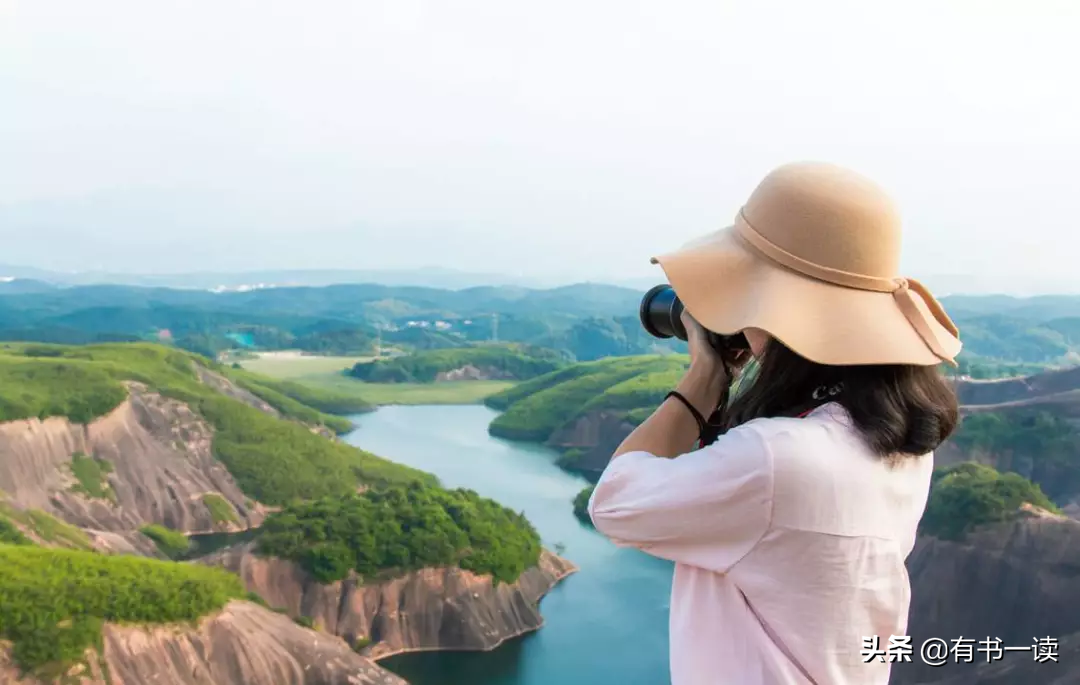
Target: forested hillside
column 487, row 362
column 573, row 408
column 1002, row 336
column 148, row 442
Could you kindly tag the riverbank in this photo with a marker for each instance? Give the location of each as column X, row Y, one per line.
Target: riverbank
column 617, row 597
column 568, row 570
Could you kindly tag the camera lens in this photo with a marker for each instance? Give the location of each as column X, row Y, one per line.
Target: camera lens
column 661, row 317
column 661, row 313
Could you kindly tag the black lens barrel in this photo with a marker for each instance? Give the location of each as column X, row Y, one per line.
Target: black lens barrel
column 661, row 313
column 661, row 317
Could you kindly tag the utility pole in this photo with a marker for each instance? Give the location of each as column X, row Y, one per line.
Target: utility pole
column 495, row 327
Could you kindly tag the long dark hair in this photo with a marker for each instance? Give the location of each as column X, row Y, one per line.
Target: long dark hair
column 901, row 410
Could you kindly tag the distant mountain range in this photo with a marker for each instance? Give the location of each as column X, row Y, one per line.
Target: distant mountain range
column 29, row 279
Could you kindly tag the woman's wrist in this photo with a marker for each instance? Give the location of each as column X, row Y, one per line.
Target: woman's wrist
column 703, row 385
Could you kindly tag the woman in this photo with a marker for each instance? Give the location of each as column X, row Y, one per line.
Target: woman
column 789, row 531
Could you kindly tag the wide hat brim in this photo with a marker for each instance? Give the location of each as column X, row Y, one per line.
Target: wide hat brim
column 728, row 287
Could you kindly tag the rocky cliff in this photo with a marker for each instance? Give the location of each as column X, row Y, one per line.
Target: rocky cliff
column 244, row 643
column 591, row 439
column 156, row 460
column 444, row 608
column 1018, row 581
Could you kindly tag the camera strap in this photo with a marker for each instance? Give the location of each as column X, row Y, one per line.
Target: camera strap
column 714, row 427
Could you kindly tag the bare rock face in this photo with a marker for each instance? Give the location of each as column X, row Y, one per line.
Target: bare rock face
column 596, row 435
column 1018, row 581
column 444, row 608
column 244, row 644
column 159, row 453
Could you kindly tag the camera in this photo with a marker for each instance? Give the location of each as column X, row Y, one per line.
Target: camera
column 661, row 312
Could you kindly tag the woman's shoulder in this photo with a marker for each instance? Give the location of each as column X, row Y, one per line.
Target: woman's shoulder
column 827, row 421
column 826, row 447
column 827, row 478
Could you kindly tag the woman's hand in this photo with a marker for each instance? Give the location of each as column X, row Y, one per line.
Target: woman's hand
column 709, row 368
column 706, row 357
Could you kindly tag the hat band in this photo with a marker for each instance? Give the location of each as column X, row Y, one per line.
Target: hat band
column 901, row 288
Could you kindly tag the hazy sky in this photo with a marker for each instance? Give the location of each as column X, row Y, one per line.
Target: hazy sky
column 568, row 139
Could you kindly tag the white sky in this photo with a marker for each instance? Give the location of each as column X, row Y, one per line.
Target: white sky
column 568, row 139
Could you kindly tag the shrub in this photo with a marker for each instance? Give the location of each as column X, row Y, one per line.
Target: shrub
column 172, row 544
column 220, row 509
column 256, row 598
column 10, row 533
column 91, row 473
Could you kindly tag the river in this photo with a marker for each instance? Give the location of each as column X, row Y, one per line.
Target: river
column 606, row 623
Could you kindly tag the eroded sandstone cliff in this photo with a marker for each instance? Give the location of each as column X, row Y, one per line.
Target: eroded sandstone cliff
column 1017, row 581
column 444, row 608
column 160, row 460
column 593, row 438
column 244, row 643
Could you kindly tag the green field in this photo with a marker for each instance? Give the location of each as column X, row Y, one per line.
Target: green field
column 324, row 373
column 295, row 366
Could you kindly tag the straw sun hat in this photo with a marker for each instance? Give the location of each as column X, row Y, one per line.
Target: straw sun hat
column 813, row 260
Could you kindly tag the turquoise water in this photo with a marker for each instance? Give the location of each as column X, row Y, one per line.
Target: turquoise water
column 242, row 339
column 606, row 623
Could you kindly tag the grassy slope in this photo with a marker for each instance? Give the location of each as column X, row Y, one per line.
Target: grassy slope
column 969, row 495
column 626, row 385
column 303, row 403
column 329, row 387
column 53, row 602
column 273, row 461
column 44, row 527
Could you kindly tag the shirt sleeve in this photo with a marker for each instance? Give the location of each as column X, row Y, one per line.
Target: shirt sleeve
column 707, row 508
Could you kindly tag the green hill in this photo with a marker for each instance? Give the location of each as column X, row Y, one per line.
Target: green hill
column 968, row 495
column 581, row 504
column 401, row 529
column 630, row 387
column 273, row 461
column 507, row 362
column 1002, row 335
column 53, row 602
